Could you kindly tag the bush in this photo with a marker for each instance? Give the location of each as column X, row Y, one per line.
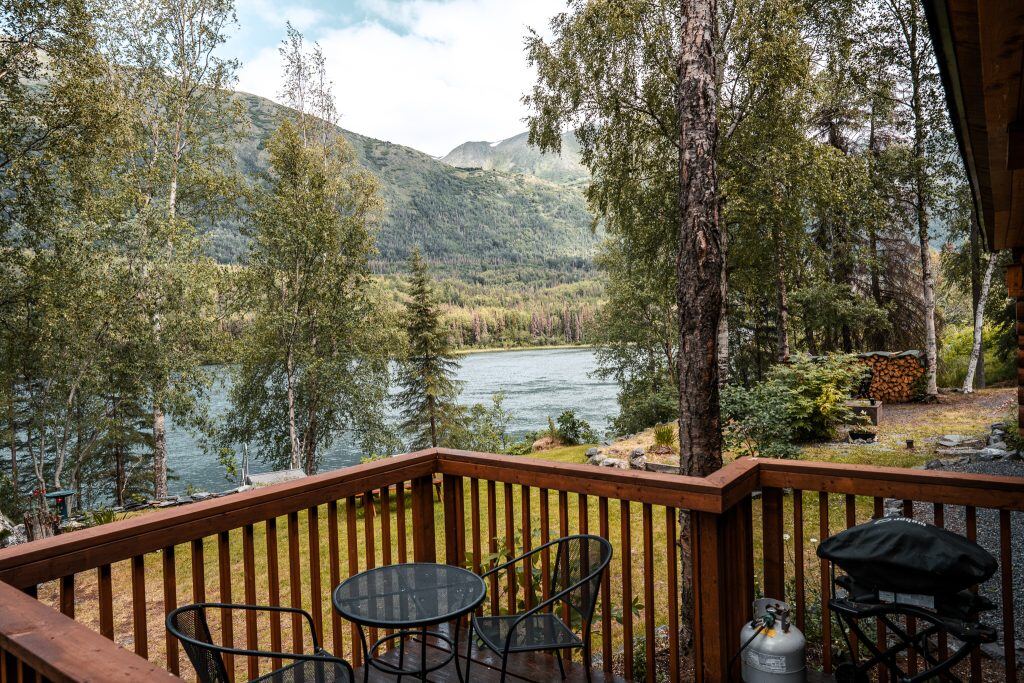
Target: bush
column 573, row 430
column 819, row 388
column 801, row 401
column 758, row 421
column 664, row 436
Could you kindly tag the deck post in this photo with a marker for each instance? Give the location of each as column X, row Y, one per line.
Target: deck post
column 423, row 540
column 723, row 588
column 1015, row 289
column 454, row 520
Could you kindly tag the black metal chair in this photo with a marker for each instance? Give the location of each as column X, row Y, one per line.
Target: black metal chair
column 190, row 626
column 575, row 579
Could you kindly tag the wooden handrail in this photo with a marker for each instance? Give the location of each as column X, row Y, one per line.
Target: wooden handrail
column 33, row 563
column 930, row 486
column 62, row 650
column 692, row 493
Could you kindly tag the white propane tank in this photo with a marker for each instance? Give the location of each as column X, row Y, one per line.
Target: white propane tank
column 776, row 653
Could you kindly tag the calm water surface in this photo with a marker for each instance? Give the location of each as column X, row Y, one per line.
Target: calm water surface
column 537, row 384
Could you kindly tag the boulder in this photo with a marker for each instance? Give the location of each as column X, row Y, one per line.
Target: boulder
column 990, row 454
column 591, row 452
column 596, row 459
column 957, row 452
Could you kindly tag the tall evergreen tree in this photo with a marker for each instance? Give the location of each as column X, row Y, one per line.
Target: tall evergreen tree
column 431, row 415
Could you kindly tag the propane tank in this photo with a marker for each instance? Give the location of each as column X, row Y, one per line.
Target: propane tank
column 775, row 654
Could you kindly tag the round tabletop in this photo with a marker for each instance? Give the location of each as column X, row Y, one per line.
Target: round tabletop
column 409, row 595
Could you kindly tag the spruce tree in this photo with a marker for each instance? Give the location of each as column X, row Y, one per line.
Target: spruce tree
column 430, row 414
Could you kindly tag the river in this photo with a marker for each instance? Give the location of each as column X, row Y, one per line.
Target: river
column 538, row 383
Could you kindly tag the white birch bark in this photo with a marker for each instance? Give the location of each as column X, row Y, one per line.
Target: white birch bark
column 979, row 324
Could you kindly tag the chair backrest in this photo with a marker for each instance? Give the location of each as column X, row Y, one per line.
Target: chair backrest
column 580, row 563
column 190, row 621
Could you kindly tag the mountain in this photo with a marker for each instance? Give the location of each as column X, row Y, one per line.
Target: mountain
column 470, row 218
column 516, row 155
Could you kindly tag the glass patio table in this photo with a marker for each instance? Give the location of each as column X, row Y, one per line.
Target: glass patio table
column 408, row 599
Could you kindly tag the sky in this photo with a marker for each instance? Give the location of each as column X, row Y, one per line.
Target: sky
column 430, row 74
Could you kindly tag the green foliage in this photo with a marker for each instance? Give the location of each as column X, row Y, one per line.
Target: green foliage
column 798, row 402
column 664, row 435
column 102, row 516
column 818, row 388
column 1014, row 439
column 484, row 428
column 429, row 391
column 758, row 421
column 955, row 353
column 573, row 430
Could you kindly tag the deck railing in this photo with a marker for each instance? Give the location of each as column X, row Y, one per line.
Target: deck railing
column 290, row 543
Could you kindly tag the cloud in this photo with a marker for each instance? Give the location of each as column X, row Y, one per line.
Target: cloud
column 275, row 15
column 425, row 73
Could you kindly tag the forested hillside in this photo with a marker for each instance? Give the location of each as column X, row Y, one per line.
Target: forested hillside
column 461, row 218
column 516, row 155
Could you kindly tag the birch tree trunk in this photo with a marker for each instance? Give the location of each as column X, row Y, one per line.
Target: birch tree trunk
column 976, row 279
column 293, row 432
column 979, row 323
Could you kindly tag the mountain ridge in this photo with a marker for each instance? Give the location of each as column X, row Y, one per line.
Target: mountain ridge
column 454, row 215
column 516, row 155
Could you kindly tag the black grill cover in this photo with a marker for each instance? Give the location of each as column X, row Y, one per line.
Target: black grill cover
column 908, row 556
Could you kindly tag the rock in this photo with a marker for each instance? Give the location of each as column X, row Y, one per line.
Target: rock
column 990, row 454
column 596, row 459
column 591, row 452
column 956, row 451
column 959, row 441
column 544, row 444
column 998, row 425
column 614, row 462
column 201, row 495
column 606, row 442
column 1014, row 455
column 637, row 452
column 933, row 465
column 1001, row 445
column 11, row 533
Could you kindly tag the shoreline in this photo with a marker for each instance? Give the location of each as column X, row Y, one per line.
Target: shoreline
column 509, row 349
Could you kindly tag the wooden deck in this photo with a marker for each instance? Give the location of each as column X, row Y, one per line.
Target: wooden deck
column 524, row 667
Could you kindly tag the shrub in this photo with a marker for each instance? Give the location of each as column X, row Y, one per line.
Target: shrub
column 800, row 401
column 664, row 436
column 818, row 390
column 955, row 354
column 573, row 430
column 758, row 421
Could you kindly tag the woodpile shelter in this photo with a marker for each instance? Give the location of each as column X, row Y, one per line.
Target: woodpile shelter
column 896, row 377
column 979, row 46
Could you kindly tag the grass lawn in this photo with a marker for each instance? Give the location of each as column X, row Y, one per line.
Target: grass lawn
column 922, row 423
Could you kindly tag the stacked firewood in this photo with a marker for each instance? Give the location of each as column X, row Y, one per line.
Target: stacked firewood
column 895, row 378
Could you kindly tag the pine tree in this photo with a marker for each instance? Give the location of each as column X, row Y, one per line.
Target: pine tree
column 430, row 413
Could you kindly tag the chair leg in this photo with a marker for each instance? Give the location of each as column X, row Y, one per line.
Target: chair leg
column 561, row 667
column 504, row 665
column 586, row 660
column 469, row 650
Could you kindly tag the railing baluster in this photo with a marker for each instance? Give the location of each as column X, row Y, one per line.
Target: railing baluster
column 510, row 547
column 881, row 639
column 385, row 524
column 798, row 559
column 249, row 587
column 315, row 585
column 771, row 534
column 198, row 570
column 67, row 595
column 648, row 531
column 1006, row 568
column 295, row 579
column 369, row 544
column 908, row 511
column 227, row 625
column 826, row 589
column 971, row 530
column 492, row 541
column 563, row 531
column 105, row 592
column 334, row 569
column 353, row 568
column 939, row 517
column 170, row 602
column 851, row 520
column 545, row 536
column 584, row 514
column 474, row 520
column 671, row 562
column 524, row 510
column 273, row 586
column 139, row 631
column 401, row 531
column 627, row 589
column 606, row 590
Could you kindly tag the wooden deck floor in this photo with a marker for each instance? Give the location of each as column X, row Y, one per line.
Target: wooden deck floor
column 526, row 667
